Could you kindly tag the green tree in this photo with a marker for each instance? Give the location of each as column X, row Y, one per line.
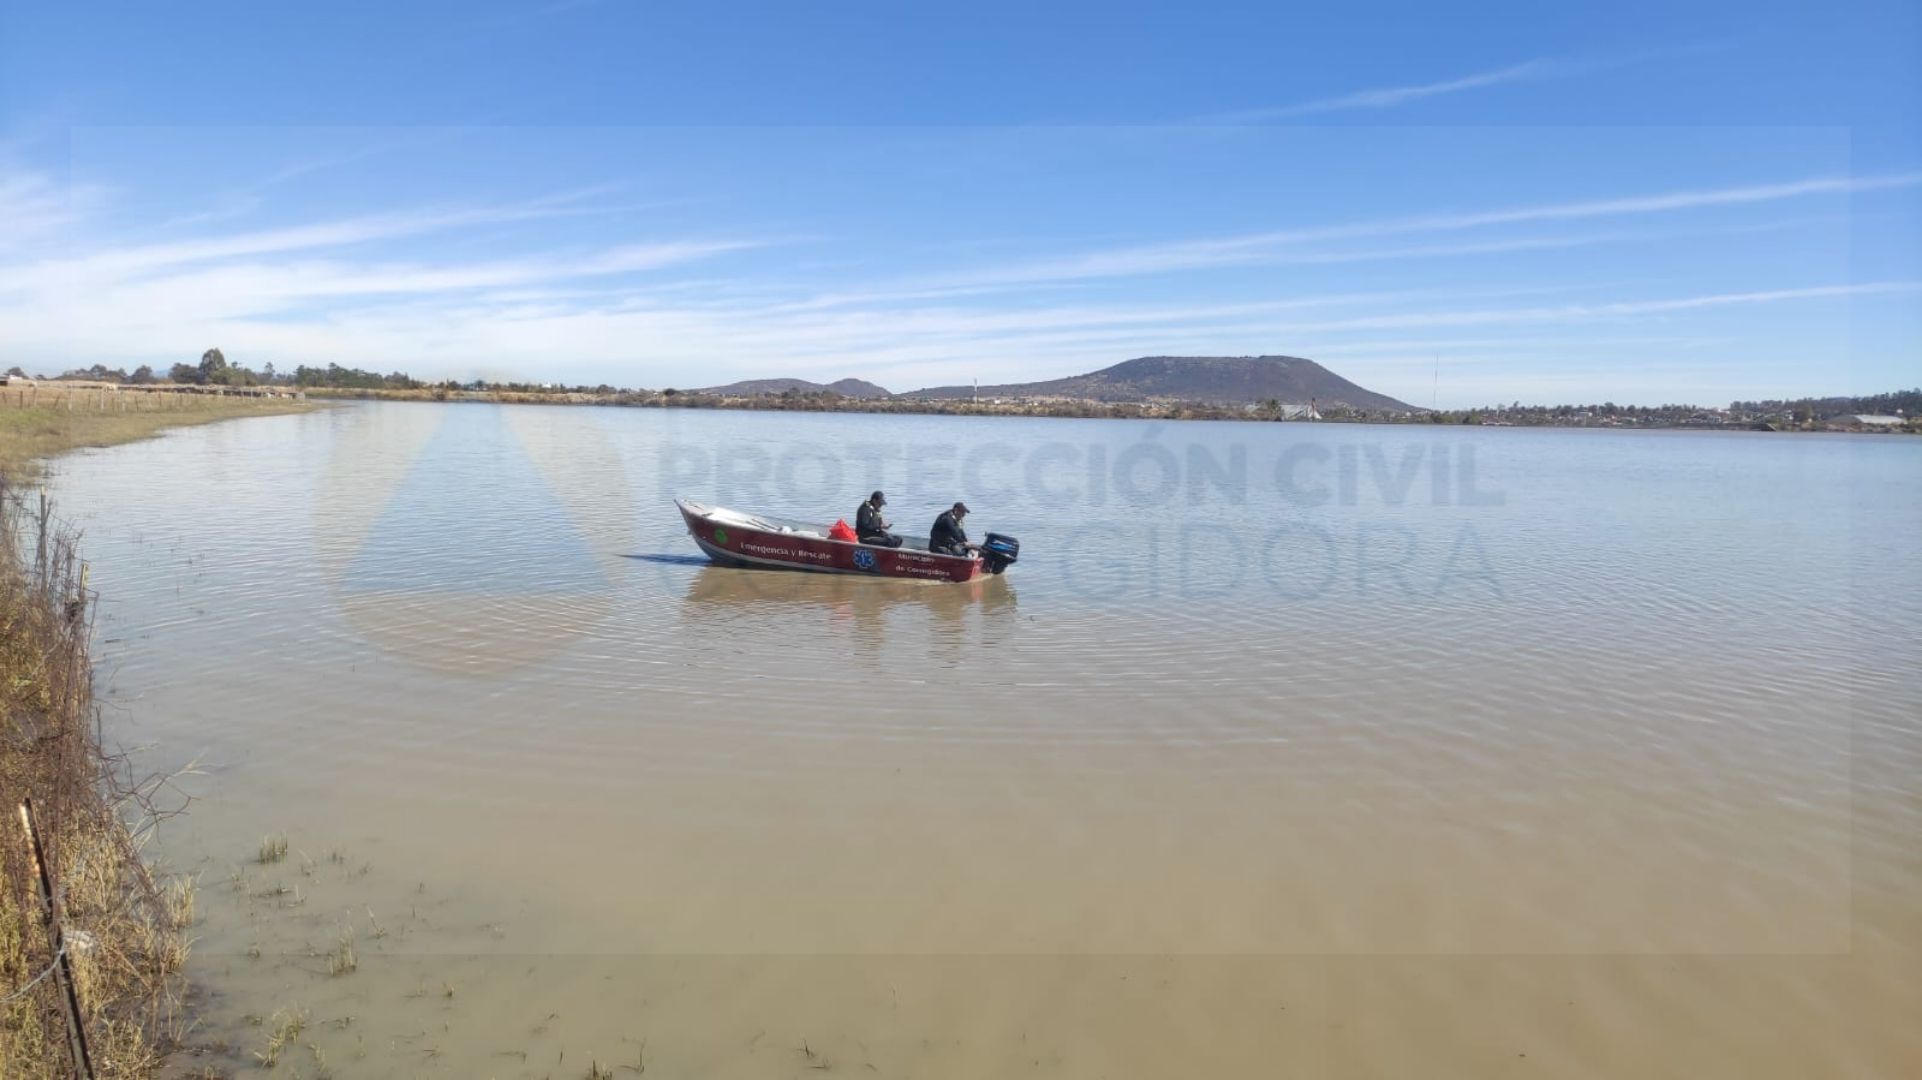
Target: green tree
column 96, row 373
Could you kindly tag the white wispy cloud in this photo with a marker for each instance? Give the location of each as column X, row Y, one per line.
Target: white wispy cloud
column 645, row 309
column 1283, row 244
column 1653, row 204
column 33, row 206
column 341, row 232
column 258, row 288
column 1572, row 313
column 440, row 325
column 1388, row 97
column 255, row 269
column 1391, row 96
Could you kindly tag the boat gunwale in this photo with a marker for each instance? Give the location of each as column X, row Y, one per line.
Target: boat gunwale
column 760, row 522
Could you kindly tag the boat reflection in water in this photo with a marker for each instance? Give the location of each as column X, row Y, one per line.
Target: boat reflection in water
column 978, row 612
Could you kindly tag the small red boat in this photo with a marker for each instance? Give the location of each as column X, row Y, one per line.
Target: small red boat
column 738, row 539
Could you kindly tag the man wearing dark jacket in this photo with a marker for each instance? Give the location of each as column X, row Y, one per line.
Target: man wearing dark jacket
column 947, row 537
column 868, row 525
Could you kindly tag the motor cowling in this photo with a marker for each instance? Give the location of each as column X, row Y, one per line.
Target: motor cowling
column 999, row 552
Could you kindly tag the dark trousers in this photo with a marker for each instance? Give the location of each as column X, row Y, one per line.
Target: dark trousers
column 885, row 539
column 950, row 549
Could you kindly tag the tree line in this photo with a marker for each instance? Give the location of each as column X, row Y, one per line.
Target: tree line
column 214, row 369
column 1904, row 403
column 1896, row 403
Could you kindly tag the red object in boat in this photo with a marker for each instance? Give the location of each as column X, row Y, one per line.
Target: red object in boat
column 841, row 531
column 730, row 536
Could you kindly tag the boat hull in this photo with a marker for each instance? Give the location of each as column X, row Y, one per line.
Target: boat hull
column 725, row 538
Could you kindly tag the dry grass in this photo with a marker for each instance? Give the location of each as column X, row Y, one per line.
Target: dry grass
column 47, row 422
column 127, row 929
column 134, row 923
column 283, row 1031
column 342, row 960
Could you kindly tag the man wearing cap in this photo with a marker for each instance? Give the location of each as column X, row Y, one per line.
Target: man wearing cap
column 947, row 537
column 868, row 525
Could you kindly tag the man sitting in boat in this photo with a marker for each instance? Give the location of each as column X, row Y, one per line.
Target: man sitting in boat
column 869, row 527
column 947, row 537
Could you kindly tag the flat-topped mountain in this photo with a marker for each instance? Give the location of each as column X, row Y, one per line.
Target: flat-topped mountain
column 854, row 388
column 1290, row 380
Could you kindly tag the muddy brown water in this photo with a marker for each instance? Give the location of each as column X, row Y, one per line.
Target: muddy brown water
column 1286, row 749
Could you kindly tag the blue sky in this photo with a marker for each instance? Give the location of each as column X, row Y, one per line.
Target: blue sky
column 1643, row 203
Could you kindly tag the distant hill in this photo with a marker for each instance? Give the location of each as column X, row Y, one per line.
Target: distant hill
column 858, row 388
column 854, row 388
column 1212, row 379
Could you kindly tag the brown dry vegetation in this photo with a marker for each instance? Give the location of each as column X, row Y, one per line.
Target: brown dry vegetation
column 89, row 816
column 91, row 812
column 48, row 421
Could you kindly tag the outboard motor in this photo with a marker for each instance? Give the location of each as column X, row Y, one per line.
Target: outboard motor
column 998, row 552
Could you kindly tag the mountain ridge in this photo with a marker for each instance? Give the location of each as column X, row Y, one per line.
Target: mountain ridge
column 854, row 388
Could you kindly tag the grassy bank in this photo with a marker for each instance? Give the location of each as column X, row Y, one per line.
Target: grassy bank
column 52, row 424
column 125, row 925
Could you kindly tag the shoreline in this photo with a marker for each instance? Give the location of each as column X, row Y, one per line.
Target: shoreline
column 107, row 936
column 89, row 807
column 32, row 434
column 1063, row 409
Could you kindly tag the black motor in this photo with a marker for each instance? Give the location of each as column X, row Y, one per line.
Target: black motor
column 999, row 552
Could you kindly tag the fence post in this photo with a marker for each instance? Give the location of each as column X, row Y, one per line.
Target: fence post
column 76, row 1027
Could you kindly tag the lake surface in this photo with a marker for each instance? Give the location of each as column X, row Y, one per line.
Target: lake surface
column 1286, row 749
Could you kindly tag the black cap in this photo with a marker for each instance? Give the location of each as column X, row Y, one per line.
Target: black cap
column 960, row 508
column 878, row 498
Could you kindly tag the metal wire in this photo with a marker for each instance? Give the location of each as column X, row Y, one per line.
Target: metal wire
column 31, row 983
